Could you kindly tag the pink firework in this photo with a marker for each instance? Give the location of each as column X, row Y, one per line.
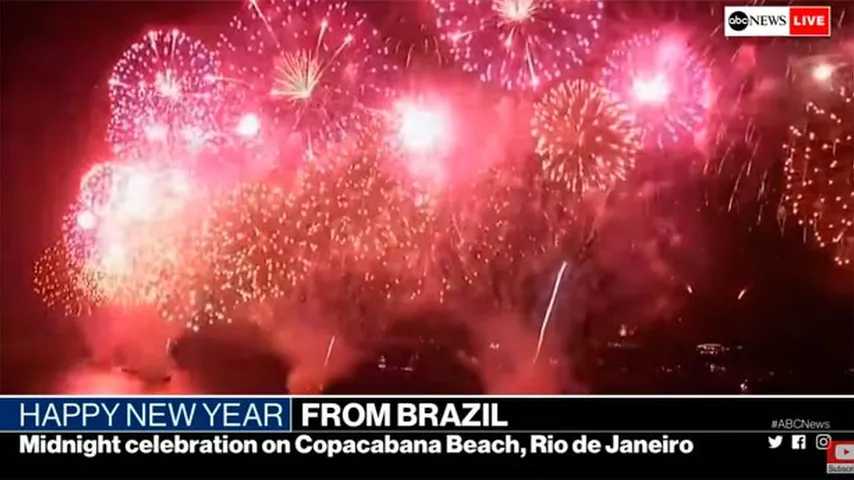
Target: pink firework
column 305, row 64
column 164, row 93
column 519, row 44
column 664, row 83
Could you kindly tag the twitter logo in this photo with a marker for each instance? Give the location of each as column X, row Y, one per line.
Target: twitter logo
column 775, row 441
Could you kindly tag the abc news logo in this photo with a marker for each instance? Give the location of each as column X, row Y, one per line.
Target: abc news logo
column 777, row 21
column 739, row 20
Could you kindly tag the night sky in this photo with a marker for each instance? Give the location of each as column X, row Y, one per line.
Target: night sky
column 793, row 332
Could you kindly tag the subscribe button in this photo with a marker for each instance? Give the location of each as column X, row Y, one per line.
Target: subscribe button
column 841, row 451
column 840, row 456
column 812, row 21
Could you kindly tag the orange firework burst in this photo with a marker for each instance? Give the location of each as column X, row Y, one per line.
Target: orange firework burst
column 819, row 175
column 366, row 228
column 251, row 238
column 189, row 294
column 586, row 139
column 245, row 253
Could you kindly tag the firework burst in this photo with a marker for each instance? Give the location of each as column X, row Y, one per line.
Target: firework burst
column 188, row 294
column 517, row 222
column 586, row 139
column 664, row 83
column 252, row 240
column 246, row 252
column 307, row 63
column 164, row 95
column 819, row 175
column 366, row 228
column 518, row 44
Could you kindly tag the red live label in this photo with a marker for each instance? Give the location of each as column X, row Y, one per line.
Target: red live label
column 809, row 21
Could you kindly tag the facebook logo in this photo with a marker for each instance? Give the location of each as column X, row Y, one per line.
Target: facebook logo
column 799, row 442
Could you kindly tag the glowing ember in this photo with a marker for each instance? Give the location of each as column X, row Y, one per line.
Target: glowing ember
column 515, row 10
column 86, row 220
column 422, row 128
column 249, row 126
column 655, row 90
column 822, row 72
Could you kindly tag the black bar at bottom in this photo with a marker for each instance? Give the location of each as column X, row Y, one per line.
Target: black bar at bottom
column 711, row 455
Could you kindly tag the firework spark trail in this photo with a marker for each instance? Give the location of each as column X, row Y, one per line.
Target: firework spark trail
column 260, row 14
column 329, row 351
column 741, row 174
column 426, row 53
column 761, row 197
column 548, row 313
